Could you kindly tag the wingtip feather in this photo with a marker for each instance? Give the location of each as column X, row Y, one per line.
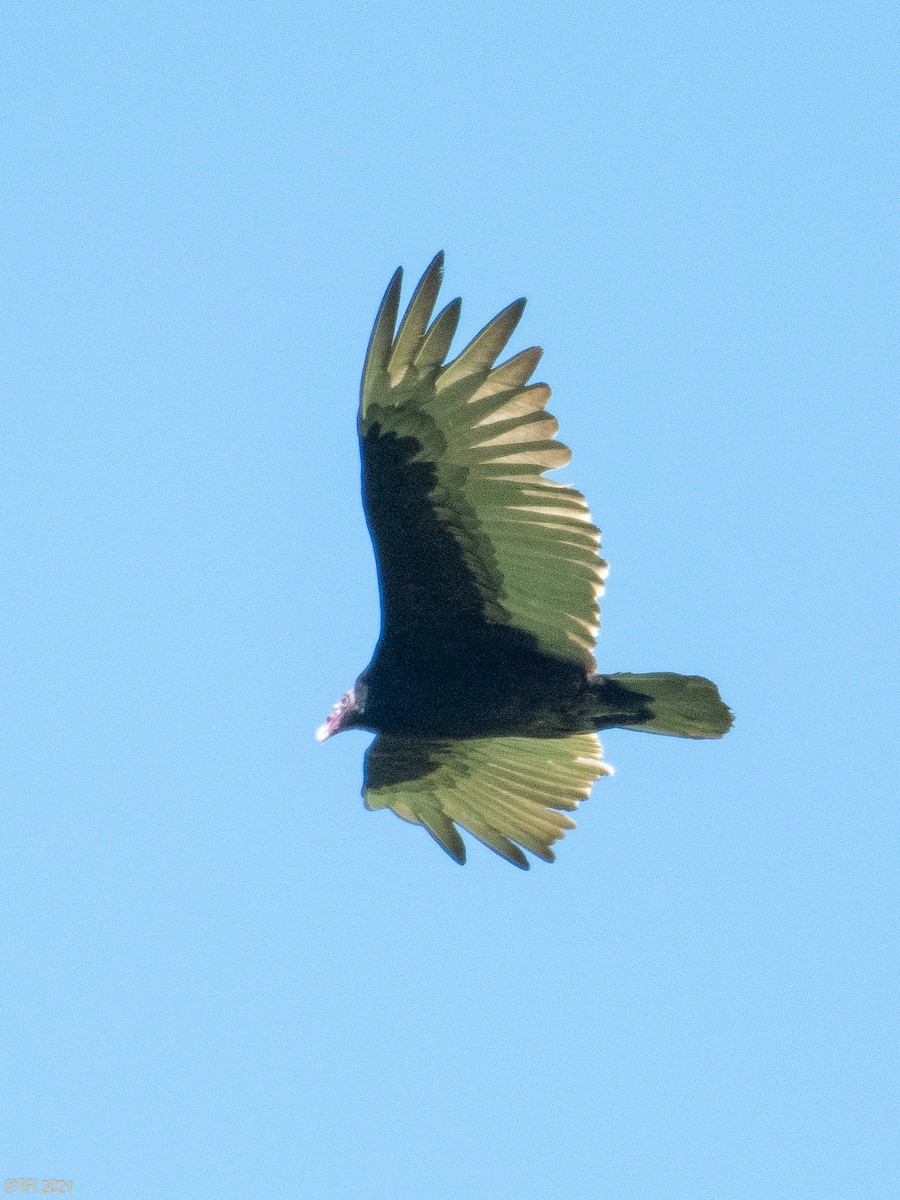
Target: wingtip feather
column 415, row 321
column 484, row 349
column 382, row 337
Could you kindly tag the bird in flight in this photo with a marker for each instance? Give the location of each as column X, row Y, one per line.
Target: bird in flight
column 483, row 690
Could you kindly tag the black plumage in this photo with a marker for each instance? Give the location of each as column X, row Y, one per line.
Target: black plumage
column 483, row 688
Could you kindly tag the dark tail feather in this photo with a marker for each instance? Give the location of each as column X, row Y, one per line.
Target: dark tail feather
column 679, row 705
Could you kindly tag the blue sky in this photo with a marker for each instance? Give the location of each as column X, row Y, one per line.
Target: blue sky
column 220, row 972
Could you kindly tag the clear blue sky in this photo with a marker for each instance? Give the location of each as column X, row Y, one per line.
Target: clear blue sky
column 221, row 975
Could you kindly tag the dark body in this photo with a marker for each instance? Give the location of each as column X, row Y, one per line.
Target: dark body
column 489, row 686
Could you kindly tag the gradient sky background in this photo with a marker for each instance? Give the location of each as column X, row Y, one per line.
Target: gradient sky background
column 221, row 975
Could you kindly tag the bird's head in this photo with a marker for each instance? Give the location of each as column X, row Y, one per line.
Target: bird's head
column 346, row 714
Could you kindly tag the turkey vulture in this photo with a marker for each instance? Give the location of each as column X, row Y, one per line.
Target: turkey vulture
column 483, row 691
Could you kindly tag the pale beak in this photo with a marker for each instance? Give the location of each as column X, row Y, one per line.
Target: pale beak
column 324, row 732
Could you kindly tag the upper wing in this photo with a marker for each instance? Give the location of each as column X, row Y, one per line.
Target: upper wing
column 466, row 529
column 503, row 790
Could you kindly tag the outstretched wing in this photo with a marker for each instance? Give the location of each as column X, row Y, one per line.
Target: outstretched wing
column 506, row 791
column 466, row 529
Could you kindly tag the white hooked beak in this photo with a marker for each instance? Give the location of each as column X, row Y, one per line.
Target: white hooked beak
column 334, row 722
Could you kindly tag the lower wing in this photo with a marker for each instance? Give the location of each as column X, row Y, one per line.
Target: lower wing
column 506, row 791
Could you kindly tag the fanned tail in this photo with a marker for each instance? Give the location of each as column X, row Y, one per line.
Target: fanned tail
column 678, row 705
